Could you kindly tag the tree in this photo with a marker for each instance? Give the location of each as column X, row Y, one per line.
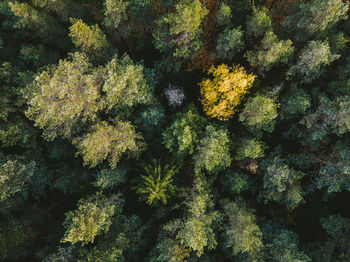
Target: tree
column 91, row 218
column 63, row 96
column 157, row 185
column 230, row 41
column 295, row 103
column 250, row 148
column 42, row 24
column 109, row 178
column 259, row 22
column 316, row 16
column 127, row 84
column 223, row 94
column 213, row 152
column 270, row 52
column 14, row 177
column 184, row 133
column 311, row 60
column 281, row 183
column 282, row 243
column 196, row 230
column 109, row 141
column 235, row 182
column 223, row 16
column 115, row 12
column 178, row 33
column 241, row 233
column 89, row 39
column 259, row 114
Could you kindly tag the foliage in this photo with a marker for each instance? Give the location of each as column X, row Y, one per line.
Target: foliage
column 281, row 182
column 295, row 103
column 14, row 177
column 109, row 141
column 224, row 15
column 283, row 243
column 230, row 41
column 126, row 84
column 221, row 95
column 259, row 22
column 184, row 133
column 63, row 96
column 311, row 60
column 213, row 152
column 109, row 178
column 259, row 114
column 115, row 12
column 270, row 52
column 242, row 234
column 250, row 148
column 316, row 16
column 156, row 185
column 178, row 33
column 87, row 38
column 91, row 218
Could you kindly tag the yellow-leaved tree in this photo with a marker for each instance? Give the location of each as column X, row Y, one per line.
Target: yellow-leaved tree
column 221, row 96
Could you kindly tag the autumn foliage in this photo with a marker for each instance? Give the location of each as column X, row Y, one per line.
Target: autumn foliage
column 221, row 96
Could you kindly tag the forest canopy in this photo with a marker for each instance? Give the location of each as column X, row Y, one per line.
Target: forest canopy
column 174, row 130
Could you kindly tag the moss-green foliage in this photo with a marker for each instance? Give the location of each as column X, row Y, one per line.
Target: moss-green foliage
column 178, row 33
column 63, row 96
column 87, row 38
column 259, row 22
column 214, row 150
column 312, row 59
column 281, row 182
column 230, row 42
column 109, row 141
column 242, row 234
column 250, row 148
column 259, row 114
column 270, row 52
column 184, row 133
column 94, row 93
column 92, row 217
column 316, row 16
column 282, row 243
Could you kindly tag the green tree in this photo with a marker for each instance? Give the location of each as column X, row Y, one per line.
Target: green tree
column 312, row 59
column 230, row 42
column 224, row 15
column 63, row 96
column 14, row 177
column 184, row 133
column 213, row 152
column 259, row 114
column 295, row 103
column 109, row 141
column 178, row 34
column 281, row 182
column 242, row 235
column 316, row 16
column 250, row 148
column 282, row 243
column 126, row 84
column 92, row 217
column 115, row 12
column 108, row 178
column 259, row 22
column 270, row 52
column 157, row 184
column 89, row 39
column 41, row 23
